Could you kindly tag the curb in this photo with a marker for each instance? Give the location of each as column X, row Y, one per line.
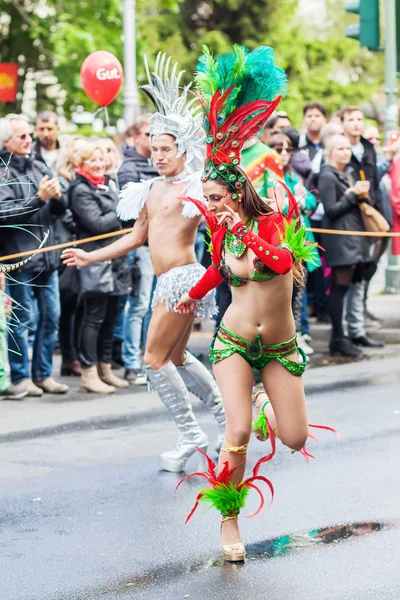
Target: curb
column 388, row 335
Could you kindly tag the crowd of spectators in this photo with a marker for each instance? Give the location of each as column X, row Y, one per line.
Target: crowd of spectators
column 67, row 188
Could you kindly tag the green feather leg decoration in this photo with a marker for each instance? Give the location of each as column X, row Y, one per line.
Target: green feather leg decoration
column 226, row 498
column 295, row 238
column 260, row 424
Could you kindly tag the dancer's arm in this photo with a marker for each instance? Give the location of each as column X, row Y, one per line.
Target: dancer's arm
column 211, row 278
column 136, row 238
column 279, row 260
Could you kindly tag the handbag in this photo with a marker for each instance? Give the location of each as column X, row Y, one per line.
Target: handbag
column 372, row 219
column 97, row 277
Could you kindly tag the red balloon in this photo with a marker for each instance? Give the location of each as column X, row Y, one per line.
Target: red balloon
column 102, row 76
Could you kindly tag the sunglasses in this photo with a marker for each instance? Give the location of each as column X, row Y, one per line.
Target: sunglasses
column 279, row 150
column 25, row 136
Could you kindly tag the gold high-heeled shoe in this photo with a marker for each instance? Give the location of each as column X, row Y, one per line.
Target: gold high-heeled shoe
column 228, row 549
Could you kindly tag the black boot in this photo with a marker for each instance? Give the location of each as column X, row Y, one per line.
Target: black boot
column 343, row 347
column 365, row 340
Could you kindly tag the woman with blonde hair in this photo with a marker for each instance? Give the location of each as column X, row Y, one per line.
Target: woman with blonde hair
column 93, row 204
column 346, row 254
column 64, row 231
column 113, row 160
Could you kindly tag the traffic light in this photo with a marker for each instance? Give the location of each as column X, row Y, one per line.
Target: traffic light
column 367, row 32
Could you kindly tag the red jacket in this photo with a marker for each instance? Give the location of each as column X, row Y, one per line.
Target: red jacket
column 394, row 173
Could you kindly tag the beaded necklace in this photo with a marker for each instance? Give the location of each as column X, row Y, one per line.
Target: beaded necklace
column 233, row 244
column 176, row 178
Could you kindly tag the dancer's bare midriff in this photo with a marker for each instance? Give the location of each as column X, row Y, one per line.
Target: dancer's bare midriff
column 260, row 307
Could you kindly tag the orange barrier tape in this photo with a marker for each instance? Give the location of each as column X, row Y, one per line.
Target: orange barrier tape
column 67, row 244
column 124, row 231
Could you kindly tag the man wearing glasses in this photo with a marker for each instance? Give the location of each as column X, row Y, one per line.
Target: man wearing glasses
column 30, row 200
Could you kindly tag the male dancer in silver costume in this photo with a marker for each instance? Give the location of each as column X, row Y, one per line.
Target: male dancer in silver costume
column 170, row 225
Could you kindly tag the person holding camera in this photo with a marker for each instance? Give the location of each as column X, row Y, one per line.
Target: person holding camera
column 31, row 202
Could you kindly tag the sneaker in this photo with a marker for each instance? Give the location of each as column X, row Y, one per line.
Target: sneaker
column 51, row 386
column 141, row 379
column 130, row 375
column 28, row 385
column 13, row 392
column 307, row 337
column 304, row 346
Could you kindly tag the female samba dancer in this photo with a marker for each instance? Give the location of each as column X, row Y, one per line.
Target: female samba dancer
column 258, row 252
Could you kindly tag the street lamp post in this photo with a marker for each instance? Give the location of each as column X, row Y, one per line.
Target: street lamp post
column 392, row 284
column 131, row 96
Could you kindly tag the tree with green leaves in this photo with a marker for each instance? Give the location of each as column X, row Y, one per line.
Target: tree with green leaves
column 321, row 63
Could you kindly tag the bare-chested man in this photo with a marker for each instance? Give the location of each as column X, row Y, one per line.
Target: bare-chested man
column 170, row 369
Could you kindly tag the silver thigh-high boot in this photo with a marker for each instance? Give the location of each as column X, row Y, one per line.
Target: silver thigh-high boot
column 202, row 384
column 170, row 387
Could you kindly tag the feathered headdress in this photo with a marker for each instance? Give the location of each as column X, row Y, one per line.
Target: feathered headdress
column 238, row 92
column 176, row 115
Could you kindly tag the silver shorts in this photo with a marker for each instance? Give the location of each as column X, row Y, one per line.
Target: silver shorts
column 178, row 281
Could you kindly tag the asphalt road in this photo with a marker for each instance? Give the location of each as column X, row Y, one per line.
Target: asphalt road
column 86, row 514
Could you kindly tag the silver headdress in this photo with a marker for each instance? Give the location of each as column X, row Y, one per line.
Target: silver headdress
column 176, row 115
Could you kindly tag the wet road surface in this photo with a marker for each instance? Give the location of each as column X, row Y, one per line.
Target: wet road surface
column 86, row 515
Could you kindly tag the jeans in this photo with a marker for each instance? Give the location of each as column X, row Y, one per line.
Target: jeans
column 147, row 318
column 199, row 245
column 354, row 320
column 305, row 327
column 97, row 328
column 4, row 381
column 120, row 322
column 223, row 298
column 136, row 312
column 123, row 299
column 46, row 291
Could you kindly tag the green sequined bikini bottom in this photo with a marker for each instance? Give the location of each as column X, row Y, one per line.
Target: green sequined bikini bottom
column 255, row 353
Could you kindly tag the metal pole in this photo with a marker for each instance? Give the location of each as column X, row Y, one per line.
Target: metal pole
column 131, row 96
column 392, row 285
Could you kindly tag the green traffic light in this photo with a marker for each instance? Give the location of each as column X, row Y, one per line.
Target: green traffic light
column 367, row 32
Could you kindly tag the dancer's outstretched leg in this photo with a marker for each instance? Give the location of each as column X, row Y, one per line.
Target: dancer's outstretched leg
column 165, row 334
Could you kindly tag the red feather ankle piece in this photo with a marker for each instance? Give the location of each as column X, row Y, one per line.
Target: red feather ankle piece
column 228, row 498
column 304, row 452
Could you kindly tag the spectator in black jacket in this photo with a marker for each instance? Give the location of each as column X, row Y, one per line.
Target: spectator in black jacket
column 70, row 313
column 314, row 120
column 346, row 254
column 93, row 205
column 137, row 164
column 363, row 158
column 33, row 201
column 47, row 147
column 128, row 332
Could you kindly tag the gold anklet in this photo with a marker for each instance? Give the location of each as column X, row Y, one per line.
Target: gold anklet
column 227, row 447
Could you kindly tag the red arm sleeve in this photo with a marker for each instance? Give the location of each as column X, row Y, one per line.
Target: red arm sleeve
column 208, row 282
column 280, row 260
column 394, row 173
